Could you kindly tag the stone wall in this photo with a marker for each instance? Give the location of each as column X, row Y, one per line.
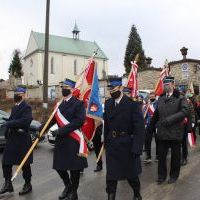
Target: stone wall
column 148, row 78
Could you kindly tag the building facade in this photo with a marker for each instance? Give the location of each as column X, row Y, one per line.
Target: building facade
column 67, row 58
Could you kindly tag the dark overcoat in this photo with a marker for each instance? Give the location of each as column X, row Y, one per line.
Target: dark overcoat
column 18, row 136
column 123, row 152
column 66, row 148
column 169, row 116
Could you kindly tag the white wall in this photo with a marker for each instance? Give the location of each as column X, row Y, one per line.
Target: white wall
column 63, row 67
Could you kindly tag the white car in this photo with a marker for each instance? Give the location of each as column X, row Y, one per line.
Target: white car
column 50, row 137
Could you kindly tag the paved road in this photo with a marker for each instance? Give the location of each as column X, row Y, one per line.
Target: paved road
column 47, row 185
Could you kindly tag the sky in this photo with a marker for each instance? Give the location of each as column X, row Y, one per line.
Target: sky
column 163, row 25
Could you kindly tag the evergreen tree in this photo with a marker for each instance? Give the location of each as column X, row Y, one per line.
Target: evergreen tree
column 15, row 68
column 133, row 48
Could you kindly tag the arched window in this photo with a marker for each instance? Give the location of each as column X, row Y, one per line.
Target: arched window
column 75, row 67
column 52, row 65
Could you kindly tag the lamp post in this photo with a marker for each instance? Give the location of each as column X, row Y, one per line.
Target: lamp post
column 46, row 61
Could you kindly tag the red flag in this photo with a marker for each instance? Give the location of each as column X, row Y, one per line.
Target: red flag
column 83, row 91
column 159, row 87
column 132, row 81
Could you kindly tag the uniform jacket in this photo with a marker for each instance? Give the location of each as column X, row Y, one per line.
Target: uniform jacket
column 18, row 141
column 169, row 116
column 121, row 150
column 66, row 148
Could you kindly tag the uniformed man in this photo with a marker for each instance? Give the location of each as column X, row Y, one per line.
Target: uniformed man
column 66, row 152
column 149, row 111
column 97, row 147
column 124, row 138
column 169, row 115
column 18, row 142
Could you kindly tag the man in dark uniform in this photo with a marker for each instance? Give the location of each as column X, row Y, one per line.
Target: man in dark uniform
column 67, row 148
column 97, row 147
column 18, row 142
column 168, row 116
column 123, row 138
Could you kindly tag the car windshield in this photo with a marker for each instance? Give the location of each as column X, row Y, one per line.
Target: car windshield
column 3, row 114
column 144, row 94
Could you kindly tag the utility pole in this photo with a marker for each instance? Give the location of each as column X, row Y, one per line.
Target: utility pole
column 46, row 62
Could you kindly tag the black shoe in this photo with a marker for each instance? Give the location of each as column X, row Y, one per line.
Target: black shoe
column 156, row 160
column 111, row 196
column 172, row 180
column 7, row 187
column 183, row 162
column 98, row 168
column 147, row 160
column 139, row 197
column 71, row 196
column 160, row 181
column 26, row 189
column 64, row 193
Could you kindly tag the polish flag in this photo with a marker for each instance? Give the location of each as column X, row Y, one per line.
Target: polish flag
column 132, row 81
column 159, row 87
column 191, row 140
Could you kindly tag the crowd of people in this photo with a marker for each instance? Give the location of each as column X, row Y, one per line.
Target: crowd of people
column 129, row 126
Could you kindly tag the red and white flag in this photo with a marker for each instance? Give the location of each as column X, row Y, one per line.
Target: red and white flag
column 132, row 81
column 83, row 92
column 191, row 139
column 159, row 87
column 76, row 135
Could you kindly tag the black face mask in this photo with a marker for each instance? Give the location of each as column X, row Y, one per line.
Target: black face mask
column 152, row 100
column 116, row 94
column 17, row 98
column 66, row 92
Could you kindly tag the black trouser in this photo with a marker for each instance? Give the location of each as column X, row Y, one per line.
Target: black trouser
column 175, row 146
column 184, row 146
column 97, row 146
column 111, row 185
column 72, row 181
column 148, row 141
column 26, row 172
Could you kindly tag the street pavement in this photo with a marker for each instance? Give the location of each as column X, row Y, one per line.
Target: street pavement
column 47, row 185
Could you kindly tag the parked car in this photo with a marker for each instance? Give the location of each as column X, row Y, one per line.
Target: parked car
column 145, row 93
column 34, row 128
column 50, row 137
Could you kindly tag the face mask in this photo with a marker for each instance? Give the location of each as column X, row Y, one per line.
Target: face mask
column 167, row 88
column 66, row 92
column 116, row 94
column 152, row 100
column 17, row 98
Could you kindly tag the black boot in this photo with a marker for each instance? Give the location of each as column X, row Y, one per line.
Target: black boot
column 98, row 168
column 111, row 196
column 138, row 197
column 27, row 187
column 7, row 187
column 72, row 195
column 64, row 193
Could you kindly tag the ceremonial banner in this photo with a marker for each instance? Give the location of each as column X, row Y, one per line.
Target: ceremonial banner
column 191, row 140
column 87, row 90
column 132, row 81
column 159, row 87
